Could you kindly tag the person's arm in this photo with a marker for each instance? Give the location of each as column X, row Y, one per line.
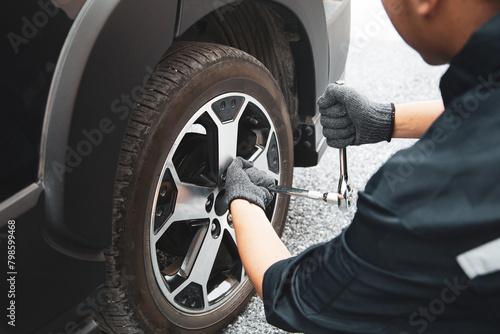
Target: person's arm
column 258, row 244
column 413, row 119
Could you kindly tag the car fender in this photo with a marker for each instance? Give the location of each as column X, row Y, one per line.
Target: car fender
column 112, row 47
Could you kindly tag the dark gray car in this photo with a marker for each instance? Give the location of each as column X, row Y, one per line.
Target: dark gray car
column 118, row 120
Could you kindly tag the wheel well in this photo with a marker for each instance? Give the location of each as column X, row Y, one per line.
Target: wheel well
column 276, row 37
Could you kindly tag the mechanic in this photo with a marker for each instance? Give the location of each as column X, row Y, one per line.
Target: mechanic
column 422, row 253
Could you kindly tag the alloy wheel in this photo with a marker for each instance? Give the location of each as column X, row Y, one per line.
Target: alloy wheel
column 192, row 240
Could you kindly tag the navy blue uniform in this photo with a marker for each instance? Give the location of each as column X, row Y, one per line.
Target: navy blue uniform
column 412, row 261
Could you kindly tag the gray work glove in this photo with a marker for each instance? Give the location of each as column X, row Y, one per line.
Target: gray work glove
column 349, row 118
column 243, row 181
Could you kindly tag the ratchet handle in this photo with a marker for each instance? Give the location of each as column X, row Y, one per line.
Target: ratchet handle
column 343, row 198
column 344, row 189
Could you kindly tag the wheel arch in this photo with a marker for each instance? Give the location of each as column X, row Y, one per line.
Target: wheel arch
column 310, row 27
column 99, row 73
column 303, row 30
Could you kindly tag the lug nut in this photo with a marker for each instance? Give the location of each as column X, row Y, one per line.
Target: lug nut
column 254, row 121
column 163, row 191
column 215, row 229
column 209, row 203
column 159, row 211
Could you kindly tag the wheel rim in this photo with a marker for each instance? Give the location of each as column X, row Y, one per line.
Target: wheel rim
column 192, row 240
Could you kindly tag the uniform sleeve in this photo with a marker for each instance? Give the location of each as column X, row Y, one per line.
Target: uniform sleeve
column 297, row 289
column 336, row 287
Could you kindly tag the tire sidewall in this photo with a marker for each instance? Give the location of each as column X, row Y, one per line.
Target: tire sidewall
column 231, row 75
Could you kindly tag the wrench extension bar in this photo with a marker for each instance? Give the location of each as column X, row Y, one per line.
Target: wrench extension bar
column 317, row 195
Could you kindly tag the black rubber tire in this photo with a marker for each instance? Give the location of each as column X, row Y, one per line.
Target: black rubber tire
column 189, row 75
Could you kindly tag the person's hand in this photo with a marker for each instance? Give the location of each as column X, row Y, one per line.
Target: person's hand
column 349, row 118
column 243, row 181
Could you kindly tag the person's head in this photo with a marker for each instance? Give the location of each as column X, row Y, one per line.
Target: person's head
column 439, row 29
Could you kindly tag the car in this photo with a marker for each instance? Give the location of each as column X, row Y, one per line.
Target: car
column 119, row 119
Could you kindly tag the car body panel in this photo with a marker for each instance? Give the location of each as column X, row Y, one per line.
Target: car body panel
column 338, row 16
column 78, row 185
column 48, row 283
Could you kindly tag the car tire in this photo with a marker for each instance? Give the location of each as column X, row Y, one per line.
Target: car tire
column 173, row 266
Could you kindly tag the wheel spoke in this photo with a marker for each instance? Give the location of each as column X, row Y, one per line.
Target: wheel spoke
column 193, row 252
column 260, row 162
column 196, row 268
column 205, row 260
column 227, row 146
column 190, row 203
column 226, row 139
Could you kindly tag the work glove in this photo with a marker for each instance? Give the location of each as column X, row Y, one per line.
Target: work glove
column 349, row 118
column 243, row 181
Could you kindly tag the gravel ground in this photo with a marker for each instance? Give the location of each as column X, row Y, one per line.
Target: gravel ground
column 384, row 68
